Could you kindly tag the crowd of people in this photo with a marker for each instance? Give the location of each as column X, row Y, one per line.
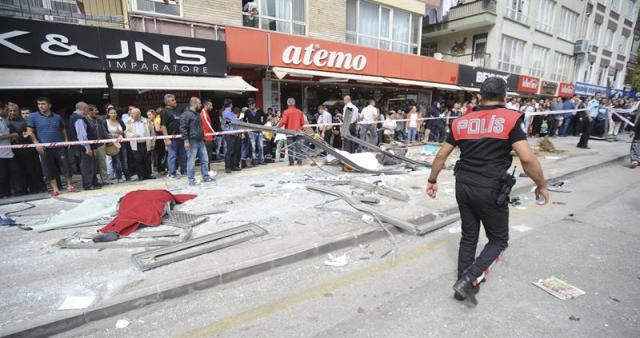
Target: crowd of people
column 146, row 157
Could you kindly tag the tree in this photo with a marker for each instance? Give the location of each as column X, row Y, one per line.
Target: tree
column 633, row 78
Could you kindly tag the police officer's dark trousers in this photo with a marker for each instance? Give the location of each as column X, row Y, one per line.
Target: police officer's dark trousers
column 478, row 204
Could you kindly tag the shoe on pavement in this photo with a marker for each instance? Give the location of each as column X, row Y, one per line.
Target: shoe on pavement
column 460, row 297
column 192, row 182
column 55, row 193
column 208, row 179
column 228, row 171
column 71, row 188
column 174, row 176
column 633, row 165
column 464, row 288
column 236, row 169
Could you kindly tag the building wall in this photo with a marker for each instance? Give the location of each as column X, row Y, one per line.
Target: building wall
column 327, row 19
column 599, row 57
column 527, row 32
column 222, row 12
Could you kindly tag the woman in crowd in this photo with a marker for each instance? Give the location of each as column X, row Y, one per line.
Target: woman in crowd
column 412, row 124
column 115, row 128
column 159, row 153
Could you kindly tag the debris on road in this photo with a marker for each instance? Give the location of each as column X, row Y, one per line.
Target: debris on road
column 559, row 187
column 122, row 323
column 559, row 203
column 258, row 185
column 455, row 230
column 615, row 299
column 77, row 302
column 90, row 210
column 559, row 288
column 337, row 261
column 521, row 227
column 577, row 319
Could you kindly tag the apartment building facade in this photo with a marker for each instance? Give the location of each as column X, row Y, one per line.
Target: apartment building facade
column 604, row 49
column 531, row 38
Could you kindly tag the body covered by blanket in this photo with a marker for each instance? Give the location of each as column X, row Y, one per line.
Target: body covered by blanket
column 142, row 207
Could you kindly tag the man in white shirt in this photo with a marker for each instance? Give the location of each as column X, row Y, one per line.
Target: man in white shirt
column 348, row 106
column 369, row 118
column 324, row 121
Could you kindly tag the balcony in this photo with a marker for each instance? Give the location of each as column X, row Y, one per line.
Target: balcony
column 468, row 16
column 107, row 13
column 473, row 60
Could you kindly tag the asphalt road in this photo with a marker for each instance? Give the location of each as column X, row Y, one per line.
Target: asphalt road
column 588, row 238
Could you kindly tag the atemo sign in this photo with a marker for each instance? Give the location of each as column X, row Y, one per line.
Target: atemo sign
column 37, row 44
column 313, row 55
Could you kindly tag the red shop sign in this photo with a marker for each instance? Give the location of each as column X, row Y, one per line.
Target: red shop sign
column 566, row 89
column 528, row 84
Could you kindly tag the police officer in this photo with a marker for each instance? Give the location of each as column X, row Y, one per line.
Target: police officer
column 486, row 137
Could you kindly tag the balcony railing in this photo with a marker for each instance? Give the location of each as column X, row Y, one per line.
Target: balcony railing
column 88, row 12
column 477, row 59
column 470, row 9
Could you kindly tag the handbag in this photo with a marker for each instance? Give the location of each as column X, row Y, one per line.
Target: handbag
column 111, row 149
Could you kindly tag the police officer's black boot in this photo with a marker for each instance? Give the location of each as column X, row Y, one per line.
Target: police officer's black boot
column 464, row 289
column 460, row 297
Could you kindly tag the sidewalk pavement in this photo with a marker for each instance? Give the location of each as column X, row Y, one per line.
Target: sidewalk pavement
column 37, row 276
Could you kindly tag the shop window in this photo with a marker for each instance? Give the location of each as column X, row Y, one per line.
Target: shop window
column 287, row 16
column 511, row 52
column 157, row 7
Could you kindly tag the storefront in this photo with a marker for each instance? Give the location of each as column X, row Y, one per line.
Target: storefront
column 585, row 89
column 100, row 64
column 566, row 89
column 318, row 72
column 528, row 85
column 548, row 88
column 471, row 78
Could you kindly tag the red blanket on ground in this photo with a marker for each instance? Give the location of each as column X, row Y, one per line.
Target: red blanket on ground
column 142, row 207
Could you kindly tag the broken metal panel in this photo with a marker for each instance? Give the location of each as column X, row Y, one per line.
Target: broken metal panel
column 400, row 223
column 346, row 134
column 198, row 246
column 318, row 142
column 380, row 189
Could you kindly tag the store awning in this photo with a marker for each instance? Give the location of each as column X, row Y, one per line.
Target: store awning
column 281, row 72
column 178, row 82
column 13, row 78
column 423, row 84
column 470, row 89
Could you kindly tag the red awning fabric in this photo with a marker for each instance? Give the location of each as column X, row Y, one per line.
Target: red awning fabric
column 142, row 207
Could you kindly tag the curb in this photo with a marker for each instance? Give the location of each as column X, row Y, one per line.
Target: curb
column 56, row 326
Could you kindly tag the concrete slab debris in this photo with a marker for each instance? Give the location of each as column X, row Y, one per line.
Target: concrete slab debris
column 90, row 210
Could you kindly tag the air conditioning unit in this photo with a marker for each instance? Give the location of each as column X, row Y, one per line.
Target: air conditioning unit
column 581, row 47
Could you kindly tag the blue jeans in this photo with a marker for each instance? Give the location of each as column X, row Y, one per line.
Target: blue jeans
column 411, row 134
column 256, row 138
column 564, row 130
column 294, row 149
column 371, row 128
column 177, row 152
column 220, row 147
column 245, row 148
column 197, row 149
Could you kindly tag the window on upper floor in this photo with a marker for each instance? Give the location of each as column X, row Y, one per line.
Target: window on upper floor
column 517, row 10
column 511, row 51
column 544, row 22
column 623, row 45
column 287, row 16
column 615, row 5
column 560, row 67
column 627, row 9
column 52, row 10
column 608, row 39
column 373, row 25
column 538, row 61
column 157, row 7
column 568, row 22
column 595, row 34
